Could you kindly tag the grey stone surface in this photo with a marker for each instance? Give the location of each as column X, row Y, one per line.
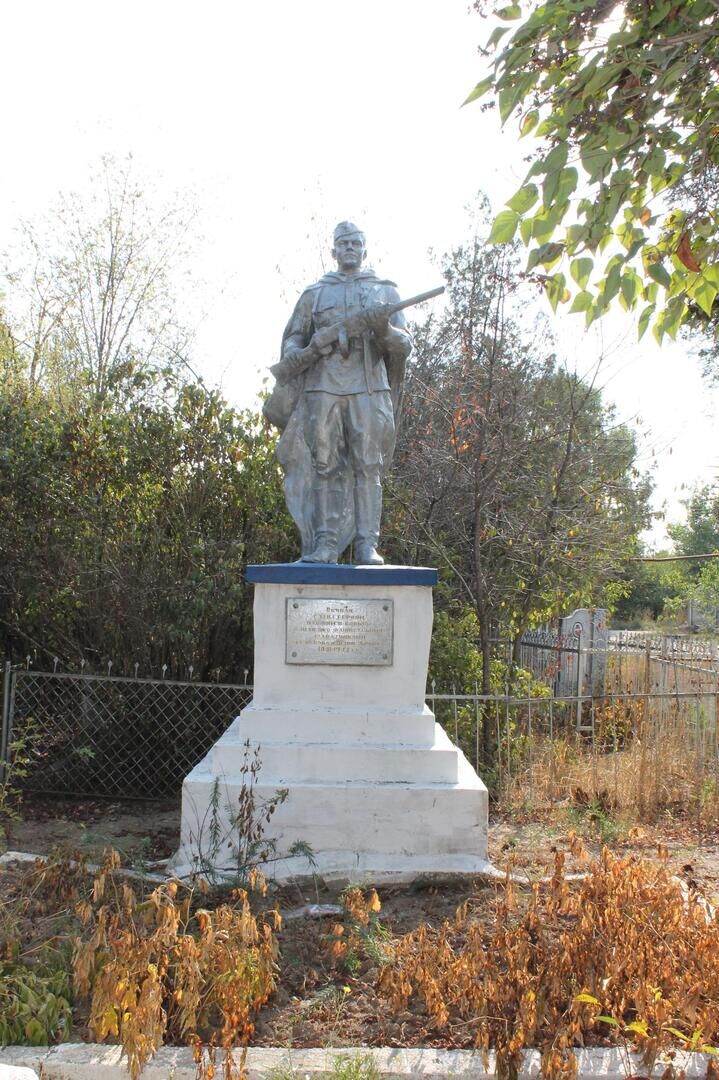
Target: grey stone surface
column 337, row 402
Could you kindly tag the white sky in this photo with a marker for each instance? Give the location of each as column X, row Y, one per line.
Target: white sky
column 282, row 118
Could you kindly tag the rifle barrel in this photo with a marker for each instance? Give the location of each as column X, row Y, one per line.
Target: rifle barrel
column 419, row 298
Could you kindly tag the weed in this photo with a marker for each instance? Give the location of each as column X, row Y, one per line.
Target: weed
column 344, row 1067
column 362, row 935
column 34, row 1006
column 591, row 816
column 12, row 773
column 239, row 830
column 354, row 1067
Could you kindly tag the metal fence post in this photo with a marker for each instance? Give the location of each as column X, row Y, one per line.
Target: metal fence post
column 5, row 730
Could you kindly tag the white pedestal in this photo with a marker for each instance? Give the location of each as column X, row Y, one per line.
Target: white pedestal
column 375, row 787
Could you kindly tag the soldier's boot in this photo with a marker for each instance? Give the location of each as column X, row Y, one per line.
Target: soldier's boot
column 368, row 510
column 326, row 516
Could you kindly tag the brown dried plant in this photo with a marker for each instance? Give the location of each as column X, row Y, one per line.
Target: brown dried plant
column 157, row 971
column 361, row 933
column 628, row 938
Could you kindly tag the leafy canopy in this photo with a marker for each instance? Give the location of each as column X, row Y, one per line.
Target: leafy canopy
column 624, row 100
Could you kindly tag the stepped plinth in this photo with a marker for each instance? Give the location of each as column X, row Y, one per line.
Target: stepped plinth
column 374, row 786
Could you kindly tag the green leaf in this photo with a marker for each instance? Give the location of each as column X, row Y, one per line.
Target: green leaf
column 630, row 287
column 544, row 223
column 546, row 254
column 596, row 161
column 496, row 36
column 516, row 91
column 524, row 199
column 711, row 274
column 480, row 90
column 587, row 999
column 603, row 76
column 512, row 11
column 582, row 302
column 638, row 1027
column 504, row 227
column 556, row 159
column 607, row 1020
column 525, row 230
column 580, row 270
column 704, row 293
column 655, row 161
column 556, row 290
column 610, row 285
column 644, row 319
column 676, row 1032
column 576, row 235
column 529, row 121
column 623, row 37
column 659, row 273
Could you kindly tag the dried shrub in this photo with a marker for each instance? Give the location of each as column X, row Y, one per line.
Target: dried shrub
column 156, row 971
column 627, row 937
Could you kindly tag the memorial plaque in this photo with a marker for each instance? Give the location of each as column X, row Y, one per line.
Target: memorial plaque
column 339, row 631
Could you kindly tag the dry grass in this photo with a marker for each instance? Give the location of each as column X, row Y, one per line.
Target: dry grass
column 639, row 762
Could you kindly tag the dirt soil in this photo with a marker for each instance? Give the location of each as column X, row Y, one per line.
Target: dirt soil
column 318, row 1003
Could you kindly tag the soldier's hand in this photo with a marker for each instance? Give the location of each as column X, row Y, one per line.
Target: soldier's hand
column 292, row 363
column 378, row 322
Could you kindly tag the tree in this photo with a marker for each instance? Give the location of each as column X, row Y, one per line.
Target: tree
column 125, row 534
column 131, row 497
column 699, row 535
column 510, row 471
column 623, row 99
column 648, row 588
column 94, row 308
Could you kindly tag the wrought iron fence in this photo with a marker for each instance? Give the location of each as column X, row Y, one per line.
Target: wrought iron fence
column 99, row 735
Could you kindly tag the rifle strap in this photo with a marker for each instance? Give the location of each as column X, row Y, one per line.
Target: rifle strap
column 367, row 361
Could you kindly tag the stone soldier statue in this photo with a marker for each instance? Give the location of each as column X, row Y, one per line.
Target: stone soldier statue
column 337, row 402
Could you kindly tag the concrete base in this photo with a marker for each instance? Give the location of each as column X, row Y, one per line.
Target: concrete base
column 376, row 790
column 83, row 1061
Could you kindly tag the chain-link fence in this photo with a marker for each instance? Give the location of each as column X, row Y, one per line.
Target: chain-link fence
column 643, row 753
column 98, row 735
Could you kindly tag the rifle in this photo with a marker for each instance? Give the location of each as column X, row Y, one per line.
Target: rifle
column 353, row 325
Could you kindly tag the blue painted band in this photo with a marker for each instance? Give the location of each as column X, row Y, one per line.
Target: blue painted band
column 300, row 573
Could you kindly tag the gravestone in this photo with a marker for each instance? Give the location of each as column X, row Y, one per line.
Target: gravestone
column 583, row 672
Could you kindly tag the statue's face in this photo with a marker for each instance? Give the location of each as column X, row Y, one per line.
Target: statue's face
column 349, row 251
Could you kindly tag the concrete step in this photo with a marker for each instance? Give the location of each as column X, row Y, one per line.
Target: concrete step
column 375, row 824
column 373, row 726
column 319, row 762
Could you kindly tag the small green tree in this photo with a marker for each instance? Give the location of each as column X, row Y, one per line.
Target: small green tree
column 699, row 535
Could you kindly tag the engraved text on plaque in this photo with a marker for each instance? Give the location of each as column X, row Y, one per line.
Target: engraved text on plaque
column 339, row 631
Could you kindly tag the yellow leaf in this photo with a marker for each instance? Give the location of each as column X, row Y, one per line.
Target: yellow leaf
column 109, row 1022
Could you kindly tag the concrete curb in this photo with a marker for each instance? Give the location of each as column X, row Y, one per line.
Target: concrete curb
column 88, row 1061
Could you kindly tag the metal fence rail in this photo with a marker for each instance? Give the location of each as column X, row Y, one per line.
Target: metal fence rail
column 98, row 735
